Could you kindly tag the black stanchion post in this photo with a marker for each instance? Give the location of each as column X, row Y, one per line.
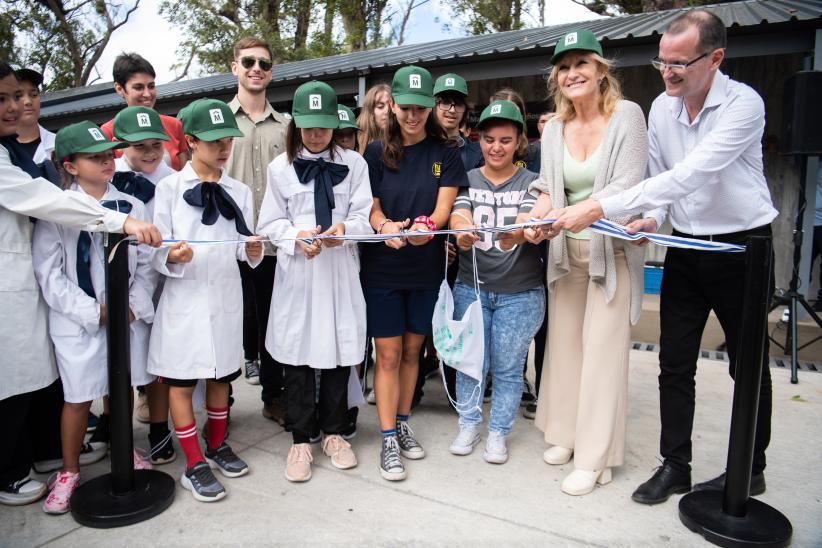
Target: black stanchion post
column 124, row 496
column 731, row 518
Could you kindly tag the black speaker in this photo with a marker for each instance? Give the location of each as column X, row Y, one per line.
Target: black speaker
column 802, row 114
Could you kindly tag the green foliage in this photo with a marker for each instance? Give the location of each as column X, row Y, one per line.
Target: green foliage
column 486, row 16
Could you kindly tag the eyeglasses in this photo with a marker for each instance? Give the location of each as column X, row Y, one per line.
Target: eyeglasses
column 446, row 104
column 659, row 64
column 249, row 60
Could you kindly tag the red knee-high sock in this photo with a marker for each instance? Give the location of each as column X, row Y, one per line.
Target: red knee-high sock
column 187, row 436
column 217, row 422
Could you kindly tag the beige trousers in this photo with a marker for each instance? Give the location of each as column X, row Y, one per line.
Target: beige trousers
column 583, row 399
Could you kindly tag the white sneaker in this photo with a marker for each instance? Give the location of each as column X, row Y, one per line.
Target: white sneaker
column 557, row 455
column 371, row 397
column 466, row 440
column 582, row 482
column 496, row 452
column 141, row 411
column 24, row 491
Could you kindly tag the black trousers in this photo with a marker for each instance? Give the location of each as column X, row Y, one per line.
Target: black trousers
column 32, row 431
column 305, row 416
column 816, row 250
column 693, row 284
column 258, row 285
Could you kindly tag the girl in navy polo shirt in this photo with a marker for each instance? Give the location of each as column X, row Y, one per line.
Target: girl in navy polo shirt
column 415, row 174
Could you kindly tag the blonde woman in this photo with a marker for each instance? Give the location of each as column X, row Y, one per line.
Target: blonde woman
column 596, row 145
column 374, row 115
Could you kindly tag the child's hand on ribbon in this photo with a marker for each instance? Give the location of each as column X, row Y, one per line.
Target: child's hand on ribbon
column 335, row 230
column 254, row 247
column 395, row 228
column 180, row 252
column 312, row 249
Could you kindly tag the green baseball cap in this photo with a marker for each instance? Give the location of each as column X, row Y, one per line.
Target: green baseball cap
column 451, row 82
column 209, row 120
column 347, row 118
column 315, row 106
column 581, row 39
column 501, row 110
column 83, row 137
column 136, row 123
column 412, row 86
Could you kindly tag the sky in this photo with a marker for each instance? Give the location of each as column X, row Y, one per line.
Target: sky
column 160, row 49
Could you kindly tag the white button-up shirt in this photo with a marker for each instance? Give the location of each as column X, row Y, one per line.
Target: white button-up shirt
column 706, row 174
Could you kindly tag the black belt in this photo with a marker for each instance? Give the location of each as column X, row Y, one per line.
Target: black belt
column 730, row 237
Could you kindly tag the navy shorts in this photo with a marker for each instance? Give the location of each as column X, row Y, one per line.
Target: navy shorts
column 393, row 312
column 190, row 383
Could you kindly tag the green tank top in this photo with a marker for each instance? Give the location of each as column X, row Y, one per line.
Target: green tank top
column 578, row 179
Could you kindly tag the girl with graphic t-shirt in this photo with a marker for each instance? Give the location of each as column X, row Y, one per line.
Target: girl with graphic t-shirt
column 415, row 174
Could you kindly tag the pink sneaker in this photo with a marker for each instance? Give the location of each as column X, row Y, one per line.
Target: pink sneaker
column 141, row 461
column 62, row 486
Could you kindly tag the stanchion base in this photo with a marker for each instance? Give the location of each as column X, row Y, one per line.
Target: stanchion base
column 95, row 505
column 763, row 526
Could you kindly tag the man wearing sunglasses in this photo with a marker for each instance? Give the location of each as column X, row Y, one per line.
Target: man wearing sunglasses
column 706, row 175
column 263, row 140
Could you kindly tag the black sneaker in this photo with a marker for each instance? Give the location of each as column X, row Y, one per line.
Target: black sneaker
column 252, row 372
column 391, row 467
column 162, row 448
column 101, row 433
column 224, row 459
column 350, row 431
column 527, row 393
column 91, row 422
column 200, row 480
column 410, row 448
column 530, row 410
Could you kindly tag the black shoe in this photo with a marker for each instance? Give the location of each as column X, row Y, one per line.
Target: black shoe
column 718, row 484
column 162, row 448
column 101, row 433
column 665, row 482
column 530, row 410
column 528, row 396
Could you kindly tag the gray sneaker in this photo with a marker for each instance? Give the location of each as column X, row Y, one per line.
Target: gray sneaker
column 224, row 459
column 465, row 441
column 495, row 450
column 200, row 480
column 410, row 448
column 252, row 372
column 391, row 467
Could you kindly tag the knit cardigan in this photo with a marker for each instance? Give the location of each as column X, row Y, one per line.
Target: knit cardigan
column 622, row 165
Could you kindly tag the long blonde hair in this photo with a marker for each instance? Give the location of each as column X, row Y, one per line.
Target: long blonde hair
column 369, row 130
column 609, row 88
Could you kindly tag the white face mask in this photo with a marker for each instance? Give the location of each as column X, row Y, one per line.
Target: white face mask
column 461, row 342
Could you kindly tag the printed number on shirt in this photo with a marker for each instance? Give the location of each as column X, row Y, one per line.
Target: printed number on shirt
column 484, row 216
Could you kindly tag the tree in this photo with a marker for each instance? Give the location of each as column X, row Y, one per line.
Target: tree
column 621, row 7
column 63, row 39
column 485, row 16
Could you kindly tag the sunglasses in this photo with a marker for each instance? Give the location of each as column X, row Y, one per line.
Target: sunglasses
column 249, row 61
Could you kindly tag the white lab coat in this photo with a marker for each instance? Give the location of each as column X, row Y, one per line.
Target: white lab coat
column 317, row 315
column 198, row 326
column 74, row 317
column 46, row 146
column 26, row 361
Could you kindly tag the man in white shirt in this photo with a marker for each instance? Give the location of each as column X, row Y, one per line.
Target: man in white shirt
column 705, row 167
column 27, row 369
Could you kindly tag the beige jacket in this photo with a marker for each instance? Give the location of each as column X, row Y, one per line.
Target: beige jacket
column 622, row 165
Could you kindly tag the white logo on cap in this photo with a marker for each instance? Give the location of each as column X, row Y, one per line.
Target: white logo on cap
column 343, row 115
column 143, row 120
column 496, row 109
column 449, row 82
column 571, row 39
column 96, row 135
column 315, row 101
column 414, row 81
column 216, row 116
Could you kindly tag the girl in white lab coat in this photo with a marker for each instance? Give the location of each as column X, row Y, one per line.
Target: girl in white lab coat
column 317, row 317
column 197, row 332
column 69, row 266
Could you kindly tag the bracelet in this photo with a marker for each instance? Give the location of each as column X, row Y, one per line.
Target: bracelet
column 427, row 221
column 382, row 224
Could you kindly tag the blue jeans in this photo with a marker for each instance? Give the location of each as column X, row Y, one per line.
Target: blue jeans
column 510, row 320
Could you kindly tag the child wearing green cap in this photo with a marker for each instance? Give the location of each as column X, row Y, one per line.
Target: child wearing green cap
column 511, row 295
column 346, row 134
column 414, row 174
column 69, row 266
column 451, row 94
column 198, row 330
column 317, row 317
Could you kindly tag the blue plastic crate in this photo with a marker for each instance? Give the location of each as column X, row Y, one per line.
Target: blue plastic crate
column 653, row 279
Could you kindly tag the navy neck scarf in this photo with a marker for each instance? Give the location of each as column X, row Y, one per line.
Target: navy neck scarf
column 20, row 157
column 84, row 249
column 216, row 201
column 326, row 175
column 133, row 184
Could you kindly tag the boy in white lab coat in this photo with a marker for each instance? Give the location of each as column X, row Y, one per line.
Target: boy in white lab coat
column 69, row 266
column 317, row 317
column 139, row 169
column 198, row 329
